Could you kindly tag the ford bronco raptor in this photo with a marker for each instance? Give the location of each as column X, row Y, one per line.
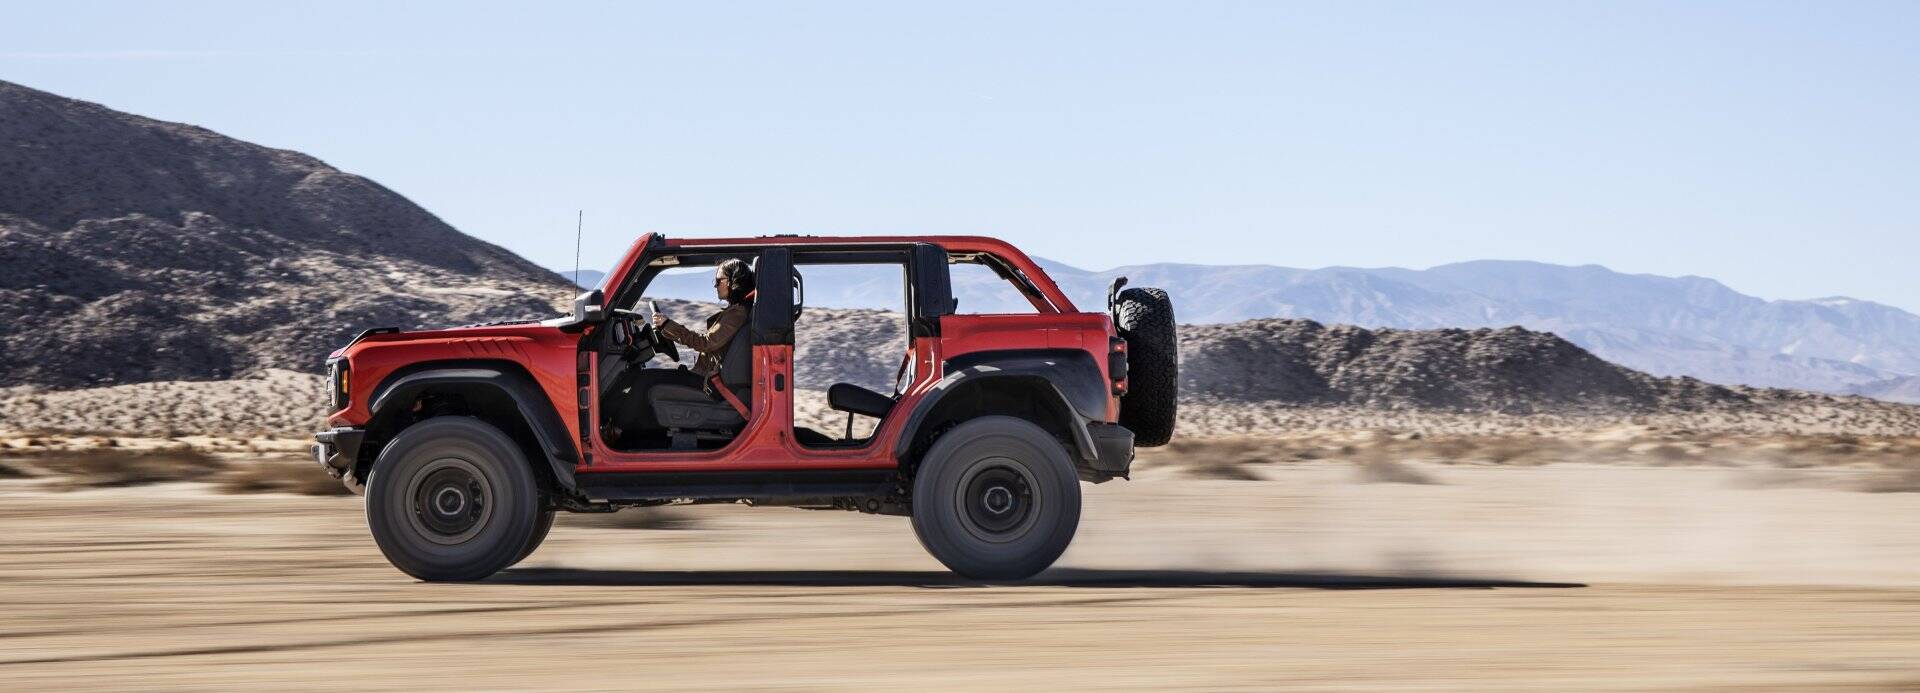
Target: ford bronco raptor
column 467, row 441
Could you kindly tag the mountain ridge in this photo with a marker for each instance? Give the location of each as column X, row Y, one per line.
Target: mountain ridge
column 1689, row 325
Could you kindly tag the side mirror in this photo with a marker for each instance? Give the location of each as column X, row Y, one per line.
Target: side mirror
column 587, row 307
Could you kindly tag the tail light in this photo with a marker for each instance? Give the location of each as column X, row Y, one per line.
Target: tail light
column 1117, row 364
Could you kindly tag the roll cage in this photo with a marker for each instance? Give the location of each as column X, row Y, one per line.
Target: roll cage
column 1001, row 257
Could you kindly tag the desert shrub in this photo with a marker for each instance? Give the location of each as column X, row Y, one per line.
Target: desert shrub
column 113, row 467
column 281, row 477
column 1897, row 481
column 1229, row 470
column 1667, row 453
column 1391, row 472
column 1507, row 450
column 1451, row 449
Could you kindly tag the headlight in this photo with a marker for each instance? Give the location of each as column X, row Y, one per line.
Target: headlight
column 339, row 384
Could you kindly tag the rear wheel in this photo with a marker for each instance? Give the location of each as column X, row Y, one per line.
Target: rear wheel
column 996, row 498
column 452, row 498
column 1144, row 317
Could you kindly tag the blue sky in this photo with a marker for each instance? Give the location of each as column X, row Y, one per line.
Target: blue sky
column 1773, row 146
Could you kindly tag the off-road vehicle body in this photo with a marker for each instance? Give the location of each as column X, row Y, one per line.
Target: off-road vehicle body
column 466, row 441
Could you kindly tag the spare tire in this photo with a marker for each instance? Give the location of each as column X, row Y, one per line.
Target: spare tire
column 1144, row 317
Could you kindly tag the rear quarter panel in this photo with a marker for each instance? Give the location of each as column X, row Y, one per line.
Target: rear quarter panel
column 967, row 334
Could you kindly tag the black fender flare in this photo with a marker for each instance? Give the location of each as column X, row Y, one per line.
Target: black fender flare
column 509, row 378
column 1070, row 375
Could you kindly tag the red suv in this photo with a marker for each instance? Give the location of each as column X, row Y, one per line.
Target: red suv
column 466, row 441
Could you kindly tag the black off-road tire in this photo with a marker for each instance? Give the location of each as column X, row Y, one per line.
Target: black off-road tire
column 1144, row 317
column 542, row 524
column 452, row 498
column 996, row 498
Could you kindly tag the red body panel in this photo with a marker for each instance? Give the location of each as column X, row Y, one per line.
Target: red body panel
column 544, row 352
column 965, row 334
column 767, row 443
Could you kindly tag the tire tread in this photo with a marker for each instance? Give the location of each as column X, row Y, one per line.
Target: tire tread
column 1151, row 405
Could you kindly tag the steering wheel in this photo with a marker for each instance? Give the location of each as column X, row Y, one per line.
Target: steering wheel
column 661, row 344
column 637, row 338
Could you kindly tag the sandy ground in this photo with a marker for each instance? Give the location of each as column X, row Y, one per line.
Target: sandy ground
column 1559, row 577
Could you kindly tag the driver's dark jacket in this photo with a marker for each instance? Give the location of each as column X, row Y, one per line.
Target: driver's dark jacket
column 721, row 328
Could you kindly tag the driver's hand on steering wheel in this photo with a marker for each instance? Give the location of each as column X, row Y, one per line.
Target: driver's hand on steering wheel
column 659, row 320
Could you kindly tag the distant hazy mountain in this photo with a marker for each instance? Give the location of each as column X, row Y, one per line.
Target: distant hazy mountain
column 1663, row 325
column 1902, row 389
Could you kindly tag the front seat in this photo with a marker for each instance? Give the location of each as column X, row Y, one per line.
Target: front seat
column 692, row 416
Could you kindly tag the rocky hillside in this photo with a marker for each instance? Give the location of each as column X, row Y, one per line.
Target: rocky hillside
column 137, row 250
column 1508, row 371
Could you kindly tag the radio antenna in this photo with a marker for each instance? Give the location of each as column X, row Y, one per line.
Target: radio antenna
column 579, row 225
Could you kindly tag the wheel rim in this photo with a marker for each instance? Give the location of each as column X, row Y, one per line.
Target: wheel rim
column 449, row 501
column 996, row 500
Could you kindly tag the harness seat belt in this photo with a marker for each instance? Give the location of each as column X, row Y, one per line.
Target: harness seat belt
column 727, row 394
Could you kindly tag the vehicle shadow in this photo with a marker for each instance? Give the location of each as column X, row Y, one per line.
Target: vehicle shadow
column 1059, row 577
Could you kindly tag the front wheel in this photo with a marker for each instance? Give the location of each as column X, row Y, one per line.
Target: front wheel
column 542, row 524
column 996, row 498
column 452, row 498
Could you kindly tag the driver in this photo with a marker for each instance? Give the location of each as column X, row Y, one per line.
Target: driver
column 733, row 283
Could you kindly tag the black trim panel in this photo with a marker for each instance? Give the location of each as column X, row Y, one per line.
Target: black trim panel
column 1071, row 371
column 1116, row 447
column 772, row 318
column 931, row 286
column 1071, row 374
column 338, row 449
column 369, row 332
column 757, row 485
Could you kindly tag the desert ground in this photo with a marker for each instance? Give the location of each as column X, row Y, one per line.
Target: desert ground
column 1232, row 564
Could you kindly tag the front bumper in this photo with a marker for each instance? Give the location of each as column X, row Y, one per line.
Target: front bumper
column 337, row 451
